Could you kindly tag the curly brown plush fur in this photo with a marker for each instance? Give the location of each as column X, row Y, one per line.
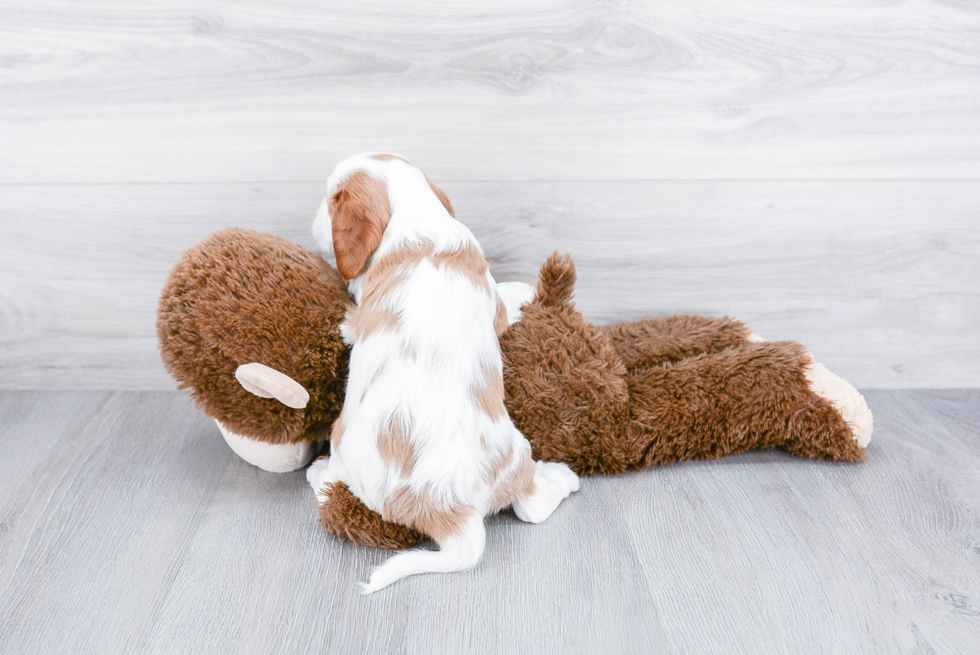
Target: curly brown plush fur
column 602, row 399
column 565, row 386
column 654, row 342
column 693, row 388
column 346, row 516
column 241, row 296
column 716, row 404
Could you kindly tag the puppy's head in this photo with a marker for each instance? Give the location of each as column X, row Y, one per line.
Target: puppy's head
column 353, row 216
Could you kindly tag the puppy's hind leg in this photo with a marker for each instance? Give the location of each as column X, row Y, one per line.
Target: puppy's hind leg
column 553, row 483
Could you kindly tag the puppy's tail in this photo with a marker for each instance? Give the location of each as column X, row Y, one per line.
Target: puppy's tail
column 461, row 551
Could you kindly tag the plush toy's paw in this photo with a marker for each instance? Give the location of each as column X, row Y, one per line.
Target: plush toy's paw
column 845, row 398
column 553, row 482
column 514, row 295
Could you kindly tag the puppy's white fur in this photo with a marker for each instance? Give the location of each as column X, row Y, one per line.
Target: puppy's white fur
column 422, row 373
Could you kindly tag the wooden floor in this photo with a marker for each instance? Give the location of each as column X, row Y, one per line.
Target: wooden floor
column 126, row 525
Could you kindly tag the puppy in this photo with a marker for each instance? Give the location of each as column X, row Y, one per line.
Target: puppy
column 424, row 438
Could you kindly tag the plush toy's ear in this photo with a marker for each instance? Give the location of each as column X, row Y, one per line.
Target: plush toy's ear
column 267, row 382
column 359, row 211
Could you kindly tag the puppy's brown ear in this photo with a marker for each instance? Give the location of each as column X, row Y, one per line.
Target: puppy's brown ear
column 359, row 211
column 441, row 195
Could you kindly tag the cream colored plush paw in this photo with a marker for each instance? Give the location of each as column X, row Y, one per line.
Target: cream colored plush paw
column 845, row 398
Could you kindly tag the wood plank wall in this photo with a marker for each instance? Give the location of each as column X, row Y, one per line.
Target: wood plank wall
column 810, row 167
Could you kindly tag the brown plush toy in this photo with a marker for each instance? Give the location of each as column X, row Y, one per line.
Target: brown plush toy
column 250, row 324
column 602, row 399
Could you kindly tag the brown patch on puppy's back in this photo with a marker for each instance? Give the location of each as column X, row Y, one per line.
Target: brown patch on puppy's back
column 363, row 322
column 468, row 261
column 421, row 512
column 359, row 210
column 337, row 432
column 391, row 269
column 395, row 448
column 500, row 323
column 489, row 395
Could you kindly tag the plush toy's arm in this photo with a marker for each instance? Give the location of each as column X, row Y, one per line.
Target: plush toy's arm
column 652, row 342
column 343, row 514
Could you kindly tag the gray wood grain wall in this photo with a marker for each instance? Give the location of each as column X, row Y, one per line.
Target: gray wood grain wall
column 812, row 168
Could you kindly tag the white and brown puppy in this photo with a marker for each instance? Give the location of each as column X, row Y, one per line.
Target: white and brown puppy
column 424, row 438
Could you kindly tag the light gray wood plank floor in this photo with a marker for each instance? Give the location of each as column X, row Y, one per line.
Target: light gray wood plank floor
column 126, row 525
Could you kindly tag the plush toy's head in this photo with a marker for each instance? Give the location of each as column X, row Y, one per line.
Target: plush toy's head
column 250, row 324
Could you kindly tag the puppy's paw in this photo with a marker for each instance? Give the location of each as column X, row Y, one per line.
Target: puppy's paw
column 318, row 475
column 553, row 482
column 559, row 476
column 845, row 398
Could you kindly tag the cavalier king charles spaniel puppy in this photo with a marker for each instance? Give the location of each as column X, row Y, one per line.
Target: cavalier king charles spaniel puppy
column 424, row 438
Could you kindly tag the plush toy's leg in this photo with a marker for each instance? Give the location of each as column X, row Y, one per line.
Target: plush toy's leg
column 343, row 514
column 652, row 342
column 845, row 398
column 276, row 458
column 841, row 394
column 758, row 395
